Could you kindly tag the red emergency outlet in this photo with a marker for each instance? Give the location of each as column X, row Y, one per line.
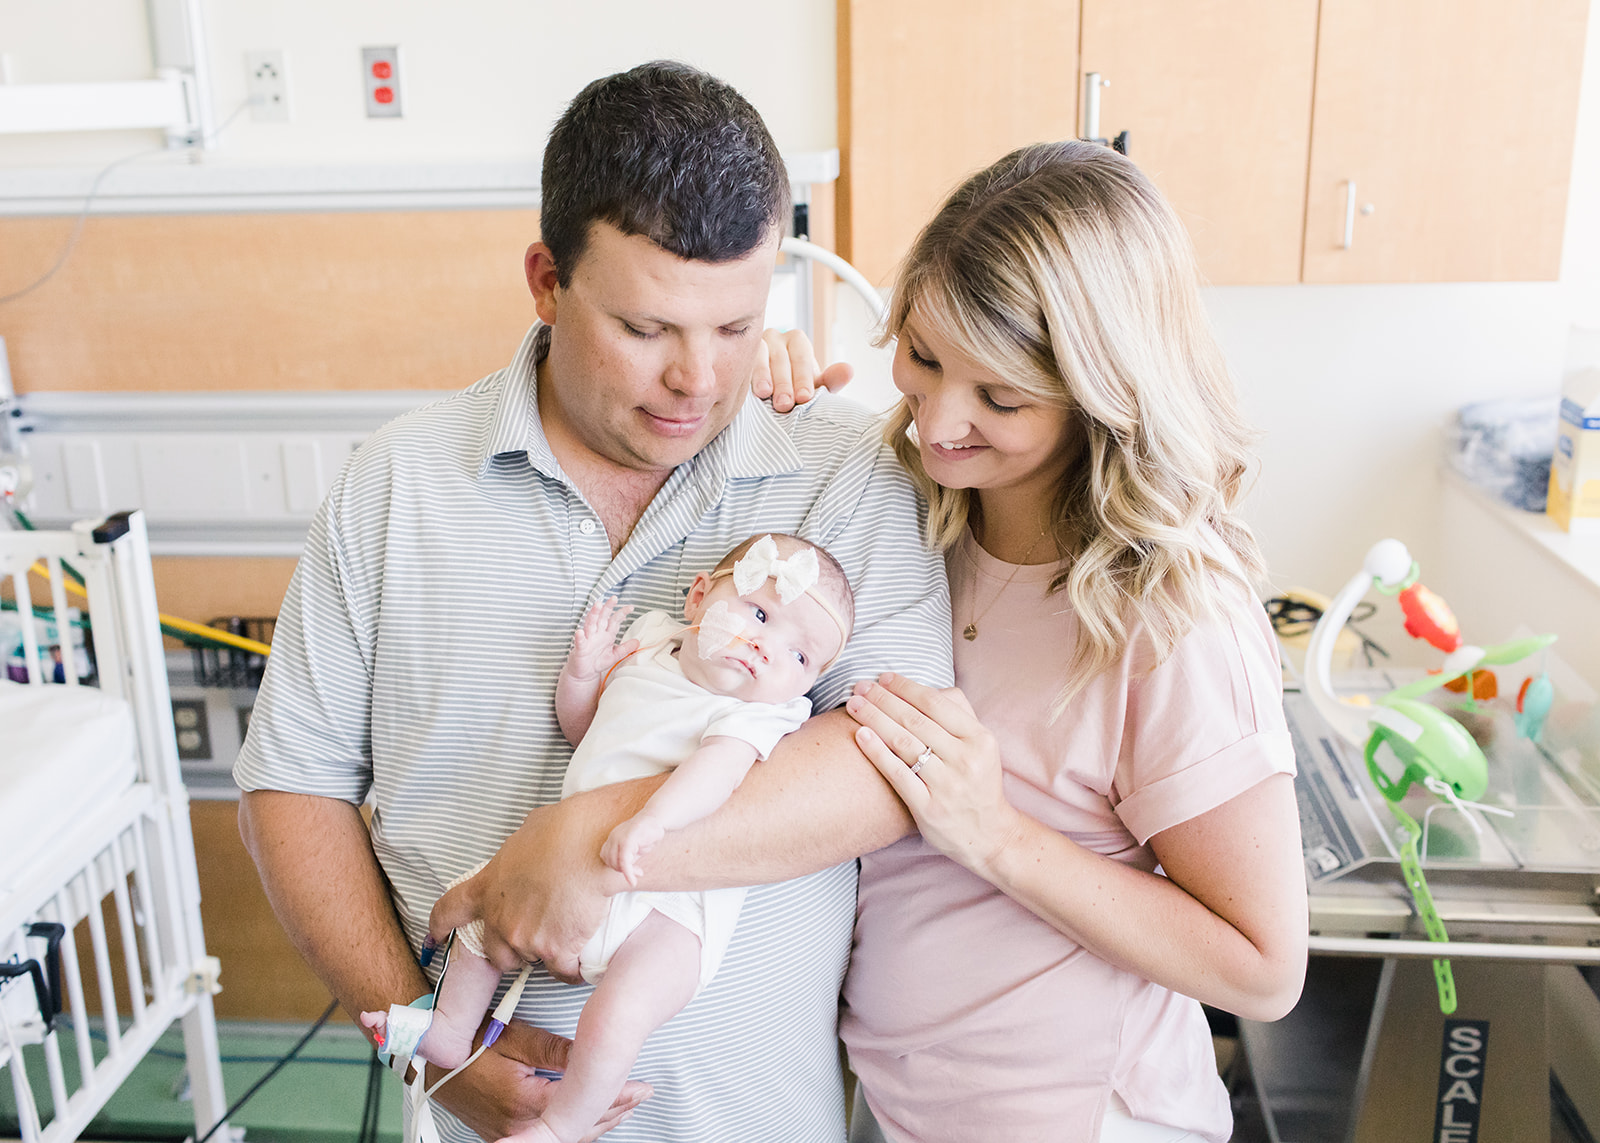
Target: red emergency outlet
column 382, row 77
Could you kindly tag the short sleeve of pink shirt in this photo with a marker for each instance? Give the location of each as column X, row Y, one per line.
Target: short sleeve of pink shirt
column 1206, row 724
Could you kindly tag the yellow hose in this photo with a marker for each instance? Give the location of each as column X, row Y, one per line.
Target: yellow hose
column 218, row 634
column 173, row 621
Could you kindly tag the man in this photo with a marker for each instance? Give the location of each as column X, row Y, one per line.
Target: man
column 417, row 651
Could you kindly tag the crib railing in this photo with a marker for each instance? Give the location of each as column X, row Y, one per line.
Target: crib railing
column 121, row 882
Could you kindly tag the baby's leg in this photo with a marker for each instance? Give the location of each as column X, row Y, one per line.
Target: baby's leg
column 653, row 975
column 469, row 985
column 458, row 1010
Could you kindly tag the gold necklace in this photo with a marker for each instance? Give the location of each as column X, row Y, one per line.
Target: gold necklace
column 970, row 631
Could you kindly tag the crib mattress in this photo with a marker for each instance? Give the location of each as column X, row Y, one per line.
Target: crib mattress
column 63, row 752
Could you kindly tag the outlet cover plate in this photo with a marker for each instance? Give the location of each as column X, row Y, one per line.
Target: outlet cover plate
column 267, row 85
column 380, row 74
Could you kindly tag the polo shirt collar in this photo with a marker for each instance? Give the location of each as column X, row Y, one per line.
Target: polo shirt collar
column 753, row 445
column 516, row 427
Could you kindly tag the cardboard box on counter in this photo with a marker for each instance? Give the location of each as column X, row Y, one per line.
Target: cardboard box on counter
column 1574, row 502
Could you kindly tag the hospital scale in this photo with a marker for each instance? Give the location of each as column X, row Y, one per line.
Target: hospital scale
column 1370, row 1053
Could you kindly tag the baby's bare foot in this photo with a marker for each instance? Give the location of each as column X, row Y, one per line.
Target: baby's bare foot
column 377, row 1023
column 448, row 1041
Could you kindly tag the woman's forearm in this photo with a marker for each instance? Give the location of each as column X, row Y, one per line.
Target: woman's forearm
column 1239, row 945
column 813, row 803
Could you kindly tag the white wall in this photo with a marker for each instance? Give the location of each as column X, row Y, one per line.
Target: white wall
column 483, row 79
column 1350, row 385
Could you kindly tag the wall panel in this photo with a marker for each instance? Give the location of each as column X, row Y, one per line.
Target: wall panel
column 381, row 300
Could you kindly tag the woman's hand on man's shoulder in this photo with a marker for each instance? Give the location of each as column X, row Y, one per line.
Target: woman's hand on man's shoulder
column 788, row 373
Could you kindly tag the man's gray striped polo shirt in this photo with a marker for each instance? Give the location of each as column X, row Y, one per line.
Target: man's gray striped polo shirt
column 416, row 657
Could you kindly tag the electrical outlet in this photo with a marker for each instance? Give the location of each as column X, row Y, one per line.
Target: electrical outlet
column 192, row 727
column 380, row 72
column 267, row 85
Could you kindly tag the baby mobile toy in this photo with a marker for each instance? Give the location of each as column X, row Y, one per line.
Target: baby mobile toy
column 1430, row 748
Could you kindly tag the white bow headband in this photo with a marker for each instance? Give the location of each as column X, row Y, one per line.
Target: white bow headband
column 794, row 575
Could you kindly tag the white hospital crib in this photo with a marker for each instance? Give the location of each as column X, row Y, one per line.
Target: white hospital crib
column 95, row 846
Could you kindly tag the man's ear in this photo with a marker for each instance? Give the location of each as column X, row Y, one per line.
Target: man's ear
column 696, row 598
column 540, row 267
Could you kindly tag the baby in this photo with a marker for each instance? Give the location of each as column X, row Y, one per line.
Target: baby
column 703, row 701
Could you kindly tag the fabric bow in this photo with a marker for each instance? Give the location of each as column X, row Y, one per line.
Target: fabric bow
column 794, row 575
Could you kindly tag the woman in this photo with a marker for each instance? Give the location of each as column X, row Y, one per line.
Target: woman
column 1021, row 971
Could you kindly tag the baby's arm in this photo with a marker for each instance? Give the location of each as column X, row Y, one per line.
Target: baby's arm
column 595, row 651
column 694, row 790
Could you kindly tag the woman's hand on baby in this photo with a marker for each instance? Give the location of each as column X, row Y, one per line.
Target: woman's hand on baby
column 595, row 649
column 957, row 794
column 788, row 371
column 629, row 842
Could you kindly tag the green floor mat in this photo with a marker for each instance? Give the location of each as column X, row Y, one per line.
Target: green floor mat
column 318, row 1098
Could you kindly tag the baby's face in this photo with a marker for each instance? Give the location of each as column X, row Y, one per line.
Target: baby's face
column 778, row 653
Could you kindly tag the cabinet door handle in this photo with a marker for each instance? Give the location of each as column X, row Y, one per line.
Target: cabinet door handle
column 1092, row 83
column 1349, row 214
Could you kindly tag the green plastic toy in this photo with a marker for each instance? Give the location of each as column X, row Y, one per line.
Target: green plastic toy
column 1433, row 749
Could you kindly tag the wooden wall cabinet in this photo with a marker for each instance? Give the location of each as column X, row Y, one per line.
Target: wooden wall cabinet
column 1454, row 120
column 1216, row 98
column 932, row 90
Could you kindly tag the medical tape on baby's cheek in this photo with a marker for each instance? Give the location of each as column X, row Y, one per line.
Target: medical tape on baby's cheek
column 719, row 628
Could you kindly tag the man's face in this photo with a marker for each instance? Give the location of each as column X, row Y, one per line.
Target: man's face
column 650, row 355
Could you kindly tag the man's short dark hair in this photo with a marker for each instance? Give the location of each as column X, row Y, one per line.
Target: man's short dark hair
column 666, row 151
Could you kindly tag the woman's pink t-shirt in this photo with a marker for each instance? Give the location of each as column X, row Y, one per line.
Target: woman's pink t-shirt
column 968, row 1018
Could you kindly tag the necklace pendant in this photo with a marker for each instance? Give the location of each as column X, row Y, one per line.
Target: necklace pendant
column 970, row 633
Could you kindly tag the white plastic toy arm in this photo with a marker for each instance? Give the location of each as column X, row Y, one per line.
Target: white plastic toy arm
column 1389, row 563
column 800, row 248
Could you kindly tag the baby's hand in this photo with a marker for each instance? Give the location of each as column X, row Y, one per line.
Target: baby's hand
column 629, row 842
column 595, row 649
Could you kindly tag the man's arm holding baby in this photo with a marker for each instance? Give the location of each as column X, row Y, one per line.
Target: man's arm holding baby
column 323, row 881
column 809, row 806
column 815, row 802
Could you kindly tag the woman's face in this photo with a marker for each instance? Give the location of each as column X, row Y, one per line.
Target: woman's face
column 974, row 430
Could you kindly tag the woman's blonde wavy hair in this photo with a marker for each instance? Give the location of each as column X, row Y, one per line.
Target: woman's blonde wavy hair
column 1062, row 270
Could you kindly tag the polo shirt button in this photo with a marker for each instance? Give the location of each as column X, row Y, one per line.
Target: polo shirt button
column 587, row 527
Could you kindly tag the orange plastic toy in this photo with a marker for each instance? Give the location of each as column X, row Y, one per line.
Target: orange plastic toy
column 1429, row 617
